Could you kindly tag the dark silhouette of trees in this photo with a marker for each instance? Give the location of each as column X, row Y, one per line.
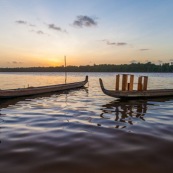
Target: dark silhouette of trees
column 134, row 67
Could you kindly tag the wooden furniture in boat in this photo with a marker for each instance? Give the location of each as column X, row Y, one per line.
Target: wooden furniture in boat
column 40, row 90
column 128, row 92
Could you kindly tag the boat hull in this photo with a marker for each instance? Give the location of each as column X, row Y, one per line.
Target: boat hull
column 40, row 90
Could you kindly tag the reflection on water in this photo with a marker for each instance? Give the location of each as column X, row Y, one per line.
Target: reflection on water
column 4, row 103
column 125, row 111
column 128, row 112
column 85, row 131
column 1, row 120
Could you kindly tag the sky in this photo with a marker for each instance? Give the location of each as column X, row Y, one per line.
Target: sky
column 41, row 32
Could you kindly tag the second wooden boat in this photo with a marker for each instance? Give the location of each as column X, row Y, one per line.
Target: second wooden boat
column 40, row 90
column 127, row 91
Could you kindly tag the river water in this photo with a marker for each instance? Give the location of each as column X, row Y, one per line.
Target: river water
column 84, row 130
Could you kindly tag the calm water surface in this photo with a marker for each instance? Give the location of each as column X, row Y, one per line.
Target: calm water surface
column 84, row 130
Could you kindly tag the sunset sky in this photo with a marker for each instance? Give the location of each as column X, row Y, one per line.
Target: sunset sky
column 87, row 32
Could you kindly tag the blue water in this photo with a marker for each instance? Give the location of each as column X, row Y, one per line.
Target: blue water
column 84, row 130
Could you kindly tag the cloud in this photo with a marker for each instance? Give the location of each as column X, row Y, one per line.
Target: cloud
column 52, row 26
column 56, row 28
column 114, row 43
column 134, row 62
column 84, row 21
column 121, row 44
column 111, row 43
column 21, row 22
column 32, row 25
column 16, row 62
column 144, row 49
column 39, row 32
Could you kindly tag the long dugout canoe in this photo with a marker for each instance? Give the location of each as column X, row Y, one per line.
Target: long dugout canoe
column 136, row 94
column 40, row 90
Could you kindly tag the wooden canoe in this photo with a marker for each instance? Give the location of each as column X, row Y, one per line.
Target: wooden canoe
column 137, row 94
column 40, row 90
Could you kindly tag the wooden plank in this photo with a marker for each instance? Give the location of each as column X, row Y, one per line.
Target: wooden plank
column 117, row 82
column 140, row 83
column 131, row 82
column 145, row 83
column 128, row 86
column 124, row 82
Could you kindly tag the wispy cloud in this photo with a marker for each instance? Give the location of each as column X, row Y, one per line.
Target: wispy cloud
column 53, row 26
column 56, row 28
column 39, row 32
column 121, row 44
column 15, row 62
column 114, row 43
column 21, row 22
column 84, row 21
column 144, row 49
column 32, row 25
column 111, row 43
column 134, row 62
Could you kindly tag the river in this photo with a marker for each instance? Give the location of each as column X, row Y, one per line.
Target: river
column 84, row 130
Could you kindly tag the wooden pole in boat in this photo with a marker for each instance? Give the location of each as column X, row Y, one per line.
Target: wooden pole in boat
column 65, row 69
column 145, row 83
column 124, row 82
column 131, row 82
column 140, row 83
column 117, row 82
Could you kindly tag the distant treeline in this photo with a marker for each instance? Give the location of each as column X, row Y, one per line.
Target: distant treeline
column 139, row 67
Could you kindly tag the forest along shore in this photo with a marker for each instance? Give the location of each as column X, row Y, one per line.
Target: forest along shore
column 134, row 67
